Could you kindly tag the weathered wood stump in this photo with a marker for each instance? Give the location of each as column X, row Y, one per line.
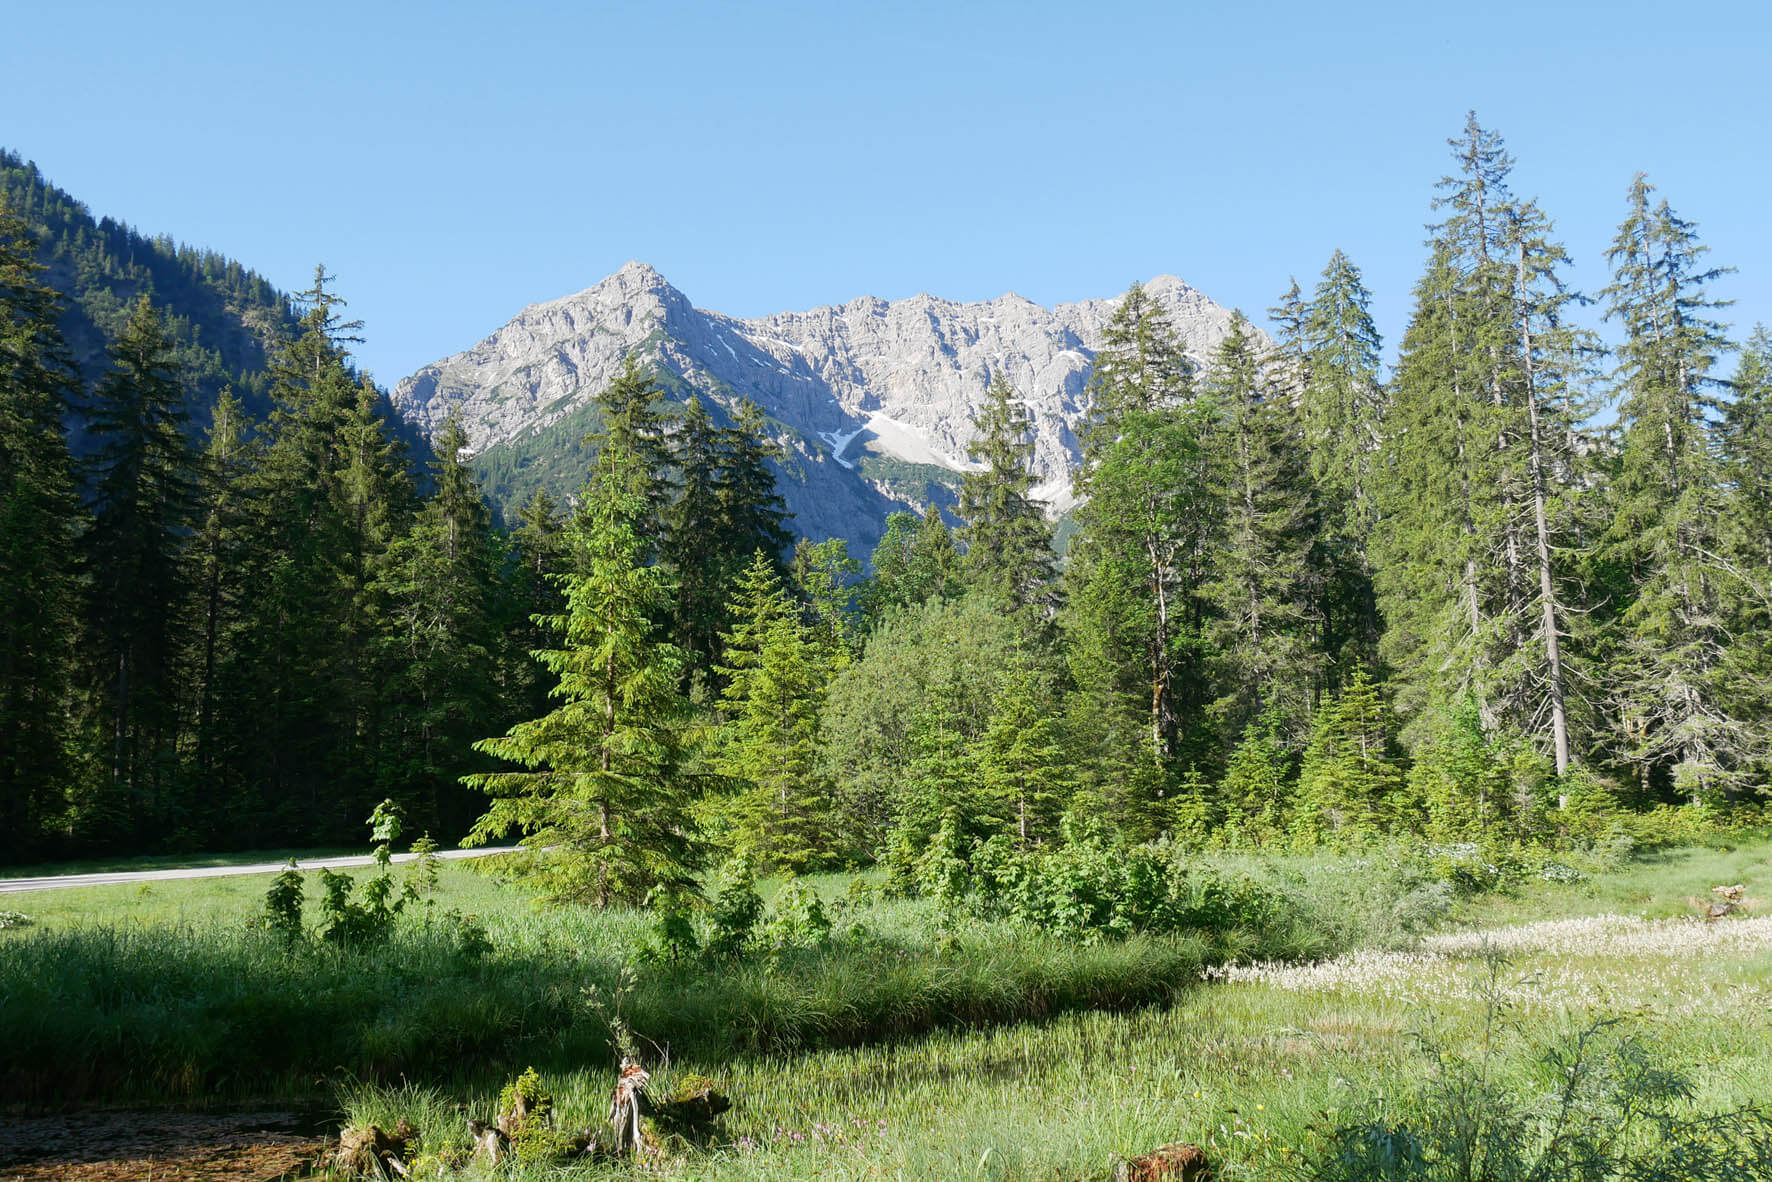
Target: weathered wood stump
column 373, row 1152
column 624, row 1106
column 491, row 1144
column 1180, row 1162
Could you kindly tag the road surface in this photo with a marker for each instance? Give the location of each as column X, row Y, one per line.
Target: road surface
column 123, row 878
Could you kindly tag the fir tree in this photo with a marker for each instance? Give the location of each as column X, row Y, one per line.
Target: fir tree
column 632, row 425
column 755, row 514
column 1008, row 543
column 1483, row 466
column 1341, row 405
column 1348, row 780
column 537, row 558
column 1257, row 788
column 776, row 675
column 332, row 498
column 1140, row 366
column 38, row 582
column 1137, row 577
column 1022, row 763
column 827, row 577
column 1548, row 377
column 1425, row 549
column 605, row 797
column 1461, row 780
column 1669, row 683
column 1264, row 586
column 223, row 559
column 698, row 548
column 439, row 639
column 1289, row 362
column 144, row 478
column 1746, row 452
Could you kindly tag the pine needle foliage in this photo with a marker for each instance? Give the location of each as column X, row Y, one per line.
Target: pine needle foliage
column 604, row 800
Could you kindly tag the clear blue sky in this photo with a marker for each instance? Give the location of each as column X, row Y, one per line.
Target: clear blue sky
column 452, row 162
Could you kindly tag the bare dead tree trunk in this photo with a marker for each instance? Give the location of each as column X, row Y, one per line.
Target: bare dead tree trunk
column 1547, row 591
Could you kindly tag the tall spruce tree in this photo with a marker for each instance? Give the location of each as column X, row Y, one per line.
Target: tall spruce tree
column 698, row 550
column 755, row 514
column 1548, row 377
column 725, row 509
column 1008, row 542
column 1341, row 404
column 38, row 582
column 321, row 487
column 1669, row 681
column 776, row 671
column 537, row 559
column 633, row 425
column 1746, row 453
column 1424, row 547
column 1481, row 465
column 144, row 479
column 224, row 562
column 1264, row 590
column 1746, row 448
column 605, row 793
column 435, row 583
column 1137, row 567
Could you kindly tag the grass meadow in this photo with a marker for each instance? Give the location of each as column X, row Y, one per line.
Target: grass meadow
column 901, row 1050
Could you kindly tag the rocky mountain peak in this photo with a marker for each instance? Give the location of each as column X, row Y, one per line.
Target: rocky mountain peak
column 873, row 399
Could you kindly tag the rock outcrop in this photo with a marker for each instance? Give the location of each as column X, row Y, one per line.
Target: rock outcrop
column 872, row 399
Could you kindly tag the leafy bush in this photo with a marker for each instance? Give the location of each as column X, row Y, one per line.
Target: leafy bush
column 371, row 921
column 348, row 921
column 283, row 903
column 672, row 911
column 734, row 910
column 797, row 919
column 1468, row 868
column 531, row 1108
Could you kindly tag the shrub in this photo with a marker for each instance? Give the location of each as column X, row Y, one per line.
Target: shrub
column 371, row 921
column 797, row 919
column 283, row 903
column 672, row 911
column 735, row 909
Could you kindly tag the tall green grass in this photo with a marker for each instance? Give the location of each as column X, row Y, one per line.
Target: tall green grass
column 118, row 996
column 197, row 1011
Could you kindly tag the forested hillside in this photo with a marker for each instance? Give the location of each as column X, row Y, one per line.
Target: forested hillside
column 1304, row 603
column 224, row 321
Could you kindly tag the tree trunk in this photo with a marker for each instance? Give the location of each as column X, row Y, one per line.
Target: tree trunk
column 1547, row 592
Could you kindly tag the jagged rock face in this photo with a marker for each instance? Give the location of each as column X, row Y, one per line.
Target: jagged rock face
column 846, row 385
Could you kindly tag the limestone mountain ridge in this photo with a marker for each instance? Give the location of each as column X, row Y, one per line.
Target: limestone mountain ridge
column 872, row 400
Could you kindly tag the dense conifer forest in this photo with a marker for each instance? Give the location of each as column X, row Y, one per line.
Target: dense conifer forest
column 1516, row 586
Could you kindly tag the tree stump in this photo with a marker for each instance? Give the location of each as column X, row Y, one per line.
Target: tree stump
column 624, row 1106
column 373, row 1152
column 1180, row 1162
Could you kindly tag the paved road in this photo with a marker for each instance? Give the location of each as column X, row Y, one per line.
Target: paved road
column 12, row 885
